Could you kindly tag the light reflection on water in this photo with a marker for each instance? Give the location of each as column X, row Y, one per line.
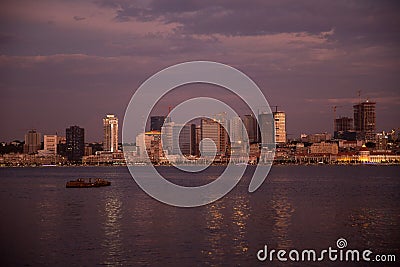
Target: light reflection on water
column 283, row 214
column 112, row 241
column 214, row 221
column 45, row 224
column 240, row 215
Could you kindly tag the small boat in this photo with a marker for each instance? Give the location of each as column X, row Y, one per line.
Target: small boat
column 81, row 183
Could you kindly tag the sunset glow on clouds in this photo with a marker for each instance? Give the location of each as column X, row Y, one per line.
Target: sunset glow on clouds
column 71, row 62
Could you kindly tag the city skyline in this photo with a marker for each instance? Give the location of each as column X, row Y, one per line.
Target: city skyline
column 66, row 63
column 340, row 124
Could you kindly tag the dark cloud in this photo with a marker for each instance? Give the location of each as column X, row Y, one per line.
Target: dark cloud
column 351, row 19
column 78, row 18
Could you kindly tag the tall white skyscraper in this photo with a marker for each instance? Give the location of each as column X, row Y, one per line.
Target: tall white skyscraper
column 236, row 129
column 110, row 123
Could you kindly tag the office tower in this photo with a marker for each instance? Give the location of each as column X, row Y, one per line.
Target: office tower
column 153, row 145
column 365, row 120
column 212, row 129
column 343, row 124
column 167, row 137
column 236, row 130
column 267, row 130
column 50, row 143
column 198, row 139
column 381, row 141
column 250, row 124
column 141, row 145
column 32, row 142
column 280, row 127
column 181, row 139
column 193, row 140
column 344, row 129
column 75, row 143
column 61, row 146
column 221, row 118
column 156, row 122
column 110, row 124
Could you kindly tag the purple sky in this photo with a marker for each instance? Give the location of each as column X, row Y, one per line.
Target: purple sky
column 71, row 62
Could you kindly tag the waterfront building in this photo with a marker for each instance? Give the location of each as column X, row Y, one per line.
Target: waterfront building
column 110, row 125
column 32, row 142
column 50, row 144
column 381, row 140
column 156, row 122
column 315, row 138
column 153, row 146
column 167, row 137
column 140, row 145
column 250, row 124
column 267, row 130
column 365, row 120
column 343, row 129
column 280, row 127
column 324, row 148
column 237, row 134
column 197, row 140
column 236, row 130
column 183, row 138
column 75, row 143
column 213, row 129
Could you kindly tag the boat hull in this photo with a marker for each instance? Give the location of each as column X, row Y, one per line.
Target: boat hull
column 80, row 183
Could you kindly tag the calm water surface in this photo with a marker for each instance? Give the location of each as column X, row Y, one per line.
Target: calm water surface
column 298, row 207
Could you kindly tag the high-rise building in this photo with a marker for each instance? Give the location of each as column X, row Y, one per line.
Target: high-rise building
column 153, row 145
column 280, row 127
column 167, row 137
column 344, row 129
column 110, row 124
column 156, row 122
column 212, row 129
column 61, row 145
column 250, row 124
column 343, row 124
column 75, row 143
column 381, row 141
column 141, row 145
column 181, row 139
column 365, row 120
column 198, row 139
column 267, row 130
column 237, row 138
column 32, row 142
column 50, row 143
column 236, row 130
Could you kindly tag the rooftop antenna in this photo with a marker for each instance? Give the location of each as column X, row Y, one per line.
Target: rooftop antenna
column 359, row 96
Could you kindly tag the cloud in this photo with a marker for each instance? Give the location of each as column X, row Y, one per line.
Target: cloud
column 77, row 18
column 305, row 55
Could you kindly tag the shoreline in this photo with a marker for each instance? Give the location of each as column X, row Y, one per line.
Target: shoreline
column 213, row 165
